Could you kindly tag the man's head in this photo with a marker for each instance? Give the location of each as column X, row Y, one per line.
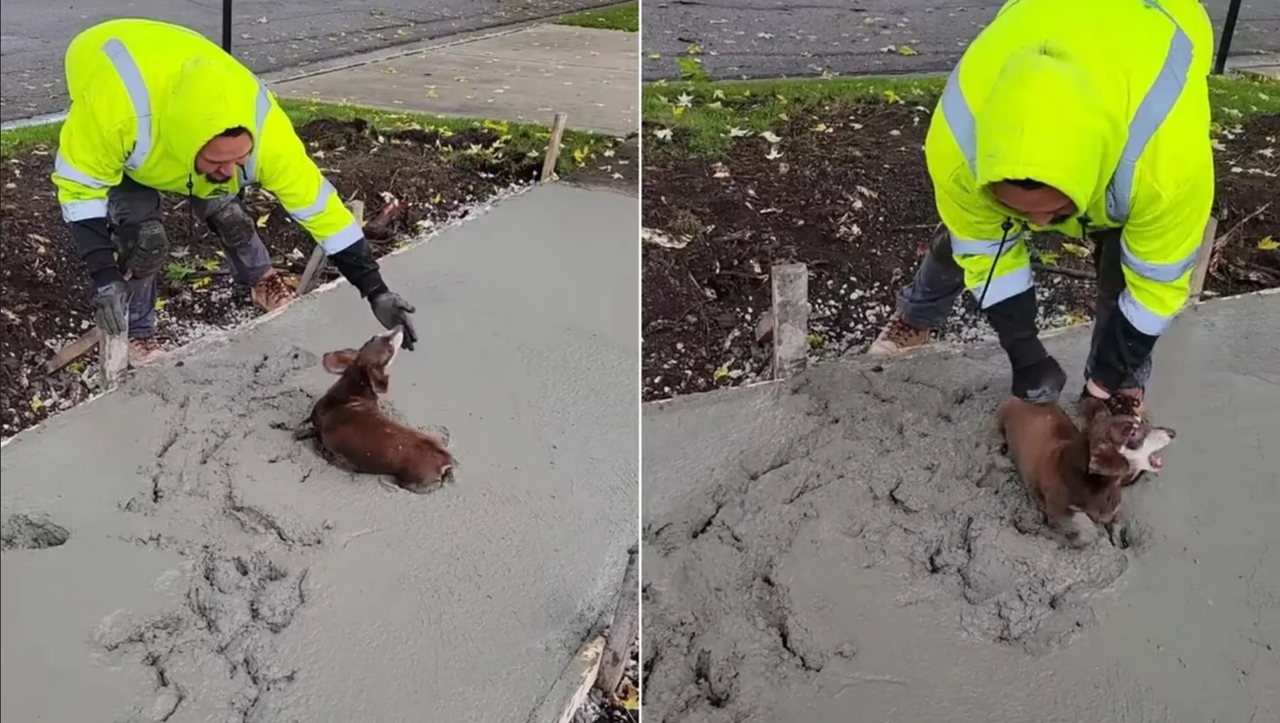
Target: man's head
column 219, row 158
column 1042, row 204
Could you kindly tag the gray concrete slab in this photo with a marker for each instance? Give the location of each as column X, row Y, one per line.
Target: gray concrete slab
column 1266, row 65
column 848, row 546
column 777, row 38
column 218, row 571
column 268, row 35
column 527, row 75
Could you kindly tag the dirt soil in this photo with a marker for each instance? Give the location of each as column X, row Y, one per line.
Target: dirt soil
column 432, row 179
column 850, row 197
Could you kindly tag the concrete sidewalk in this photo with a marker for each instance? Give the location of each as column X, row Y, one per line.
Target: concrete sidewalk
column 528, row 75
column 1266, row 65
column 850, row 541
column 217, row 570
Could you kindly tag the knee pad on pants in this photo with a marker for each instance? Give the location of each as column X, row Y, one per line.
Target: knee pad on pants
column 144, row 248
column 233, row 224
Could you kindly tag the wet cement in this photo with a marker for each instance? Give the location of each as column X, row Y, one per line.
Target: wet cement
column 216, row 570
column 849, row 545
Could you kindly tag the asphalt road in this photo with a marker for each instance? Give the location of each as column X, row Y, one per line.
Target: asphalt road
column 777, row 38
column 268, row 34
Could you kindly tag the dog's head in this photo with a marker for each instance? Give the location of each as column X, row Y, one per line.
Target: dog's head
column 1121, row 442
column 369, row 363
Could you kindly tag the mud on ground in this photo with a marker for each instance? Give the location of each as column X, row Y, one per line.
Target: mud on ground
column 423, row 178
column 850, row 197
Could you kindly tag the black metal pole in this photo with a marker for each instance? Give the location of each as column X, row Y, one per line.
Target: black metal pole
column 227, row 24
column 1224, row 43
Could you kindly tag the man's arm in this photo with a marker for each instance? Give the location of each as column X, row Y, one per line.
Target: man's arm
column 1159, row 245
column 89, row 163
column 1003, row 286
column 287, row 171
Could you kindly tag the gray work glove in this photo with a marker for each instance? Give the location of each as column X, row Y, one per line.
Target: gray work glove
column 111, row 302
column 392, row 311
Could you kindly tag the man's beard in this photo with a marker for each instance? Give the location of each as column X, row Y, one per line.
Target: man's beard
column 216, row 179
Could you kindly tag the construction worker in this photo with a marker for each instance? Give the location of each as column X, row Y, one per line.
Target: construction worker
column 1086, row 117
column 159, row 108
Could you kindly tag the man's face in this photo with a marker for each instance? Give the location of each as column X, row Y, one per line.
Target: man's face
column 1042, row 206
column 218, row 160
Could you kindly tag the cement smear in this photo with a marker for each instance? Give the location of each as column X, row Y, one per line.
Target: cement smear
column 851, row 546
column 213, row 569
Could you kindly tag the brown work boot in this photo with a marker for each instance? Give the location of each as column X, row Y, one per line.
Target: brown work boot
column 271, row 292
column 897, row 336
column 143, row 351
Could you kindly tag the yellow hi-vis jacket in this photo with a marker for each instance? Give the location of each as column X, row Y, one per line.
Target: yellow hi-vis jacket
column 1105, row 100
column 145, row 98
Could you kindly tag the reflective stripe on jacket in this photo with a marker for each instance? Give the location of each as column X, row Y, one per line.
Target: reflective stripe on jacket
column 145, row 98
column 1105, row 100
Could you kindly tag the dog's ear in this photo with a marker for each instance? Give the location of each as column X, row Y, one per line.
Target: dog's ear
column 336, row 362
column 1108, row 462
column 378, row 379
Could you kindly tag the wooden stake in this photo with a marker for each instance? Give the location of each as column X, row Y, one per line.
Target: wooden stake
column 319, row 257
column 553, row 147
column 622, row 631
column 1205, row 254
column 790, row 319
column 73, row 351
column 113, row 353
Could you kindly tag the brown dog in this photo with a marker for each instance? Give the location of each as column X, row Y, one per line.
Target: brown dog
column 356, row 431
column 1121, row 422
column 1069, row 471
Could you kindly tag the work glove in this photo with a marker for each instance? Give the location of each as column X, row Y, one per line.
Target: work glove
column 1040, row 382
column 111, row 304
column 1037, row 377
column 392, row 311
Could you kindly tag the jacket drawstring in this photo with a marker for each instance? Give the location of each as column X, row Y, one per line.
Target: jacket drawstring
column 1005, row 228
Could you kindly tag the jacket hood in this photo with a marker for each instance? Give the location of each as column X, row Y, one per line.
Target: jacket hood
column 204, row 102
column 1044, row 120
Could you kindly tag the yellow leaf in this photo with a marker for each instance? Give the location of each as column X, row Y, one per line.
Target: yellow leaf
column 655, row 56
column 721, row 373
column 1268, row 244
column 677, row 110
column 906, row 50
column 160, row 303
column 630, row 700
column 1075, row 249
column 694, row 49
column 431, row 93
column 262, row 220
column 36, row 404
column 437, row 198
column 200, row 283
column 1048, row 258
column 389, row 70
column 892, row 97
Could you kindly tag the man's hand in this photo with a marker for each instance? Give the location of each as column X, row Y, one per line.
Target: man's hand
column 1039, row 383
column 111, row 302
column 391, row 311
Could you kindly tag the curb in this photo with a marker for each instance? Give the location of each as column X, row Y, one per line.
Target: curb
column 569, row 692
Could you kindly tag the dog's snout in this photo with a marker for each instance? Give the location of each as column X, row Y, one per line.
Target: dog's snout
column 1172, row 433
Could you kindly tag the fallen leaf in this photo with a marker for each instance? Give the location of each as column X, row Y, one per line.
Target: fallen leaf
column 663, row 134
column 262, row 220
column 390, row 70
column 769, row 136
column 906, row 50
column 1048, row 258
column 720, row 374
column 892, row 97
column 773, row 153
column 1075, row 249
column 735, row 132
column 1268, row 244
column 684, row 100
column 655, row 56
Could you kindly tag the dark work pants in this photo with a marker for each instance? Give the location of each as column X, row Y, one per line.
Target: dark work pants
column 130, row 204
column 926, row 302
